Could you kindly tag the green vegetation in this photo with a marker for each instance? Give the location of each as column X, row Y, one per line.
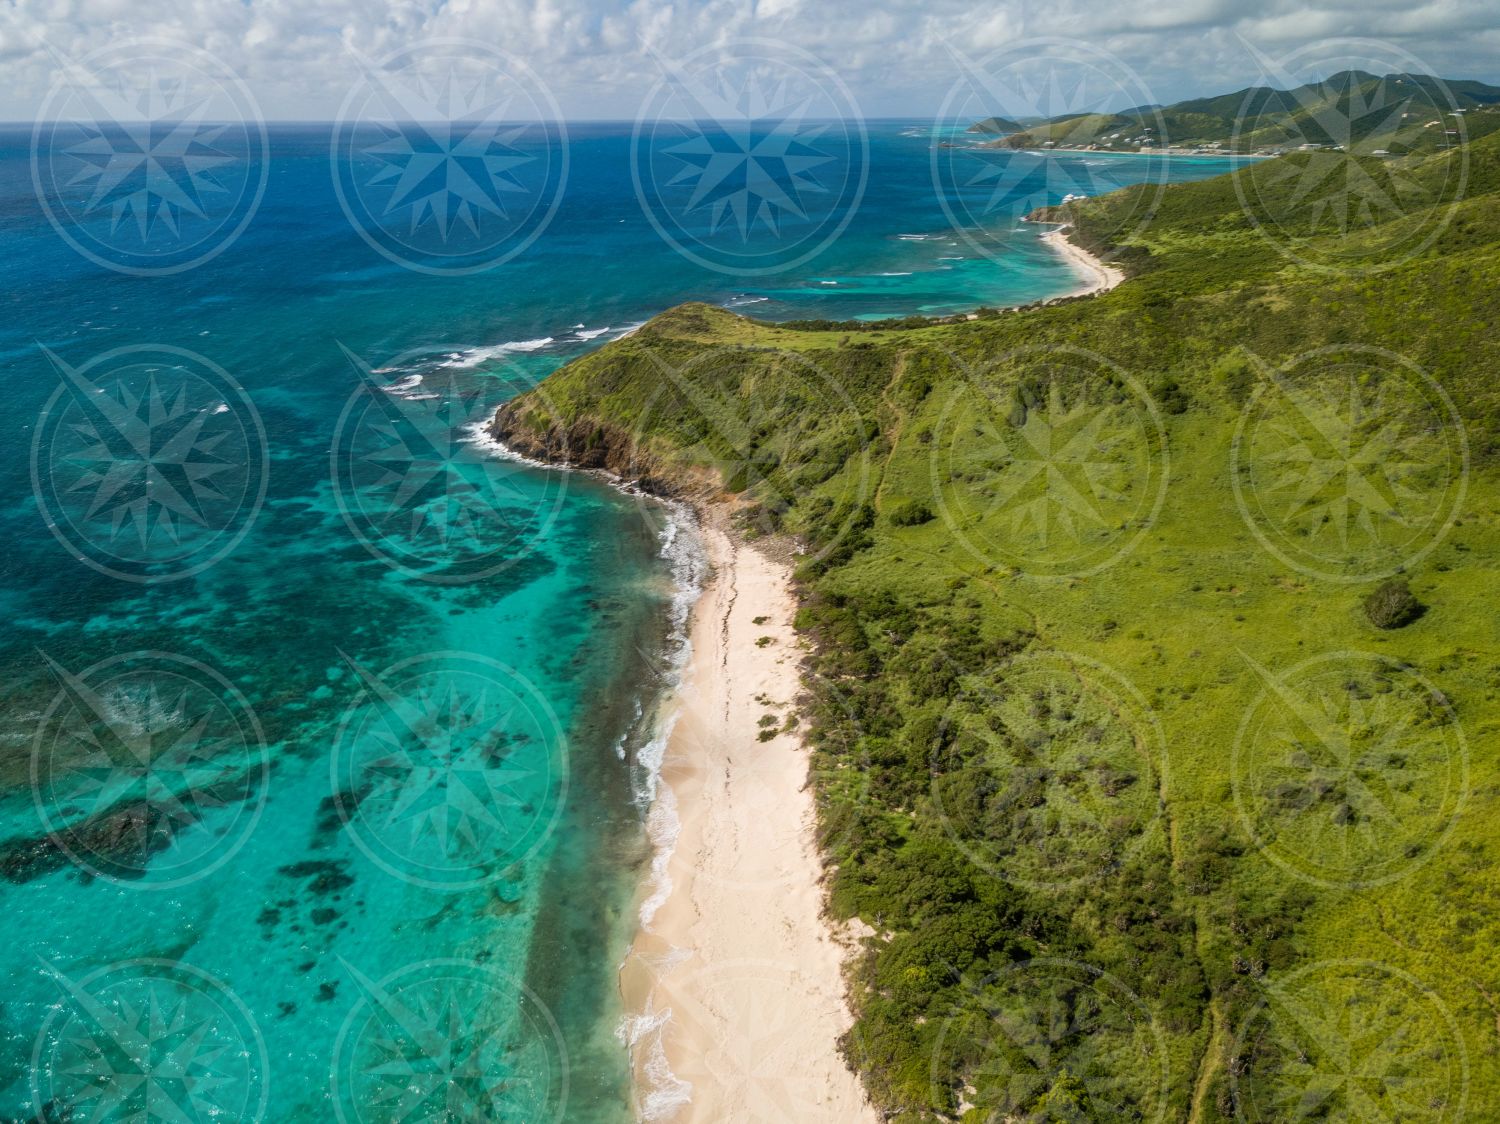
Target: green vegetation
column 1395, row 113
column 1393, row 605
column 909, row 513
column 998, row 125
column 1144, row 814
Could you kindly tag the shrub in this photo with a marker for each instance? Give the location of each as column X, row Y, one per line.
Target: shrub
column 910, row 513
column 1393, row 605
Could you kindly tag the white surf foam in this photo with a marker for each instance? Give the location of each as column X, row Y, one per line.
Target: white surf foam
column 665, row 1092
column 474, row 356
column 402, row 385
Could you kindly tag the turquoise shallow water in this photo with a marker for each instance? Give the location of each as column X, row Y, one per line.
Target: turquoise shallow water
column 318, row 796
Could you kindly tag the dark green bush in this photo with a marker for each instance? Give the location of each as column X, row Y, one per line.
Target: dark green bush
column 910, row 513
column 1393, row 605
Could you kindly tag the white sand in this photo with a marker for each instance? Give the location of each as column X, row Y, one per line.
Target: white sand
column 738, row 981
column 1097, row 277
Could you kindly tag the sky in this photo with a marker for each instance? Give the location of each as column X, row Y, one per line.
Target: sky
column 601, row 59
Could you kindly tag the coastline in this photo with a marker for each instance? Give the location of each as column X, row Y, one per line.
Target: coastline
column 733, row 986
column 1161, row 154
column 735, row 980
column 1097, row 276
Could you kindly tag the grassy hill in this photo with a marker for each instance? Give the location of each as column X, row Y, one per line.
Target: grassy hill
column 1398, row 113
column 1158, row 808
column 995, row 125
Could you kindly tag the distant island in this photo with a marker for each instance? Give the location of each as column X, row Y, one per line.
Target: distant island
column 1416, row 115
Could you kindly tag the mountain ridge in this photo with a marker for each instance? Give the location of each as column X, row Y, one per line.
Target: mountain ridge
column 1395, row 113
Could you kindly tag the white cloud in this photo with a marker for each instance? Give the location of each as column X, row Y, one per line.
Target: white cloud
column 295, row 54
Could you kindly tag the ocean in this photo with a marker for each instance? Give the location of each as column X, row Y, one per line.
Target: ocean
column 326, row 742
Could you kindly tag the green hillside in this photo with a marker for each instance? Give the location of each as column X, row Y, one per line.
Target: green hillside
column 995, row 125
column 1154, row 673
column 1397, row 113
column 1075, row 129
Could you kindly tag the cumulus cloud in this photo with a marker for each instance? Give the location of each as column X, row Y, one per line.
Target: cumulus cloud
column 299, row 57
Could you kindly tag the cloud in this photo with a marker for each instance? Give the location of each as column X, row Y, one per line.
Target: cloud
column 298, row 56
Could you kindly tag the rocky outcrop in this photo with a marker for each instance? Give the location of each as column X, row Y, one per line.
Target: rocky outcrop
column 599, row 446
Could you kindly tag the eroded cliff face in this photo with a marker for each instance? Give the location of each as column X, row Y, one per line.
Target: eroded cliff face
column 599, row 446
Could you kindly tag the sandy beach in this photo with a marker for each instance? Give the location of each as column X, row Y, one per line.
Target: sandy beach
column 735, row 981
column 1097, row 276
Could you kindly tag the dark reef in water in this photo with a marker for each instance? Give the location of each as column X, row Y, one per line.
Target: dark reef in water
column 118, row 844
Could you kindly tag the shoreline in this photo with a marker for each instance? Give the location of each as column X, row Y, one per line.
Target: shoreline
column 1167, row 154
column 1097, row 276
column 734, row 986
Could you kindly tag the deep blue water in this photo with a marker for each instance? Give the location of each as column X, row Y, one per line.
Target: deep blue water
column 317, row 775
